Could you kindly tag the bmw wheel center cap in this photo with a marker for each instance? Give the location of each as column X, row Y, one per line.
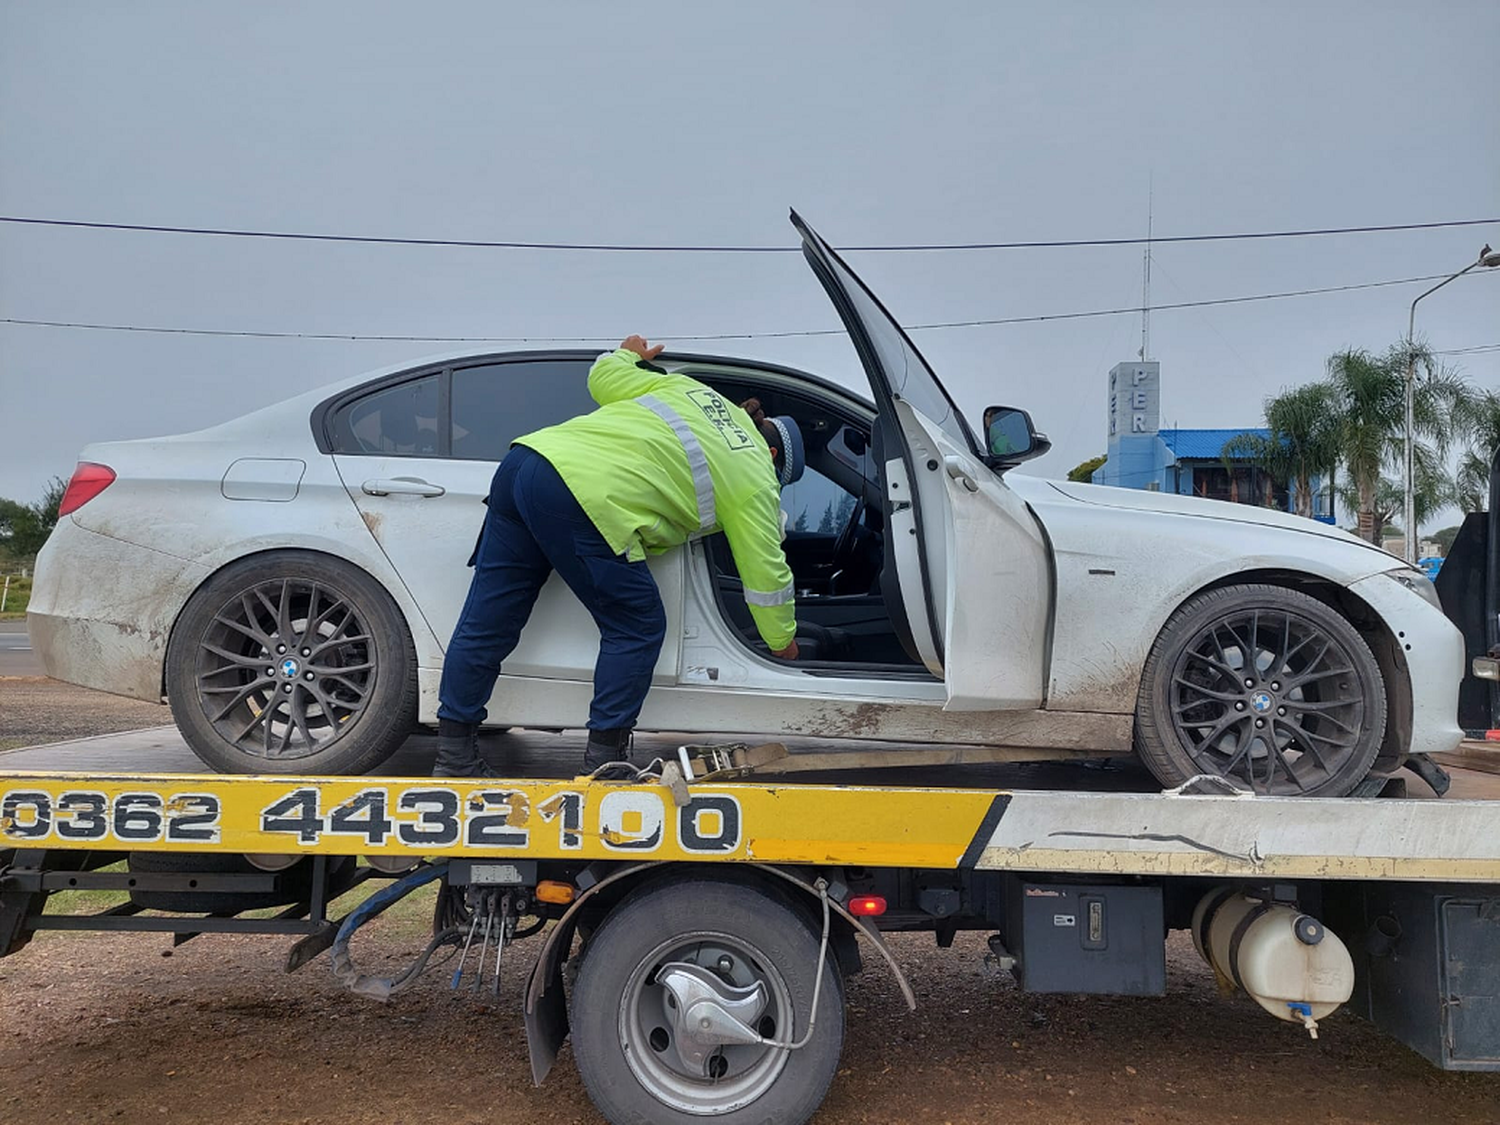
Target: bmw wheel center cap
column 1261, row 701
column 289, row 668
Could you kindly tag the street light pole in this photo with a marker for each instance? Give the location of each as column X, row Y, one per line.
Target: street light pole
column 1489, row 259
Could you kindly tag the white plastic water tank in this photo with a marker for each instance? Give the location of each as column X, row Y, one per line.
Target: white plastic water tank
column 1289, row 962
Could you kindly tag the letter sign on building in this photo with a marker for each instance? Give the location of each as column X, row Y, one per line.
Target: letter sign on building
column 1134, row 398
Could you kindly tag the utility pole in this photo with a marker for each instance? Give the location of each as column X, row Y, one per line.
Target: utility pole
column 1146, row 280
column 1489, row 259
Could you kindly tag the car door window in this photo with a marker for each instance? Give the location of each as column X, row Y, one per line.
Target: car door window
column 495, row 403
column 395, row 420
column 816, row 505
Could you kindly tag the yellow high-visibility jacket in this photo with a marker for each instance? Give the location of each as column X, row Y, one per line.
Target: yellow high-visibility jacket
column 665, row 459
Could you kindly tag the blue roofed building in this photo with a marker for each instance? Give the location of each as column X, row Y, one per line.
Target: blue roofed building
column 1188, row 462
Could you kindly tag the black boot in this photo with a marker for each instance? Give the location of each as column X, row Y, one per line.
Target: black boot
column 458, row 751
column 606, row 746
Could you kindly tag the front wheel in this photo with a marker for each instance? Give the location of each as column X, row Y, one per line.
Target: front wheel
column 1264, row 685
column 675, row 960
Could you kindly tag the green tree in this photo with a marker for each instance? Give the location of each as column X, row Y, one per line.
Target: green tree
column 1433, row 491
column 1084, row 471
column 1482, row 432
column 825, row 523
column 1305, row 419
column 1445, row 538
column 1369, row 393
column 25, row 527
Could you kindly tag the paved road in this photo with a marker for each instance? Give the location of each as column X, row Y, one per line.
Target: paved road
column 16, row 655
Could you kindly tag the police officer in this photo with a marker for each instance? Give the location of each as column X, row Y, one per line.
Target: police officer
column 664, row 459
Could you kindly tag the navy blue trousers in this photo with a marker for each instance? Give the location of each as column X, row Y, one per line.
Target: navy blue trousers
column 533, row 527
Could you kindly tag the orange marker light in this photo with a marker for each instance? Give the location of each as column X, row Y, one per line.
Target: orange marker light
column 866, row 906
column 549, row 890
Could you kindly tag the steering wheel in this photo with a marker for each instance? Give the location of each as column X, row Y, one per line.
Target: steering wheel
column 843, row 547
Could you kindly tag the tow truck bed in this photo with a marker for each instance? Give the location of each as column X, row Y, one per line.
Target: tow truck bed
column 940, row 844
column 1092, row 815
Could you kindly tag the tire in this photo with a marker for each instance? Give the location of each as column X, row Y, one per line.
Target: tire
column 1306, row 720
column 293, row 885
column 628, row 1067
column 292, row 662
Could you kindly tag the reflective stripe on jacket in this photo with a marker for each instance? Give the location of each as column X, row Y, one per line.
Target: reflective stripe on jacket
column 665, row 459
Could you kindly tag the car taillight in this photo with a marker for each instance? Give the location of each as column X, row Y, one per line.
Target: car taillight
column 89, row 479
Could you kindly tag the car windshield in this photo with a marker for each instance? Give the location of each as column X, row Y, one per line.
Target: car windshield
column 910, row 378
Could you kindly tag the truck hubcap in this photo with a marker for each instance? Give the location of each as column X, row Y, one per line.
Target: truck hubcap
column 691, row 1019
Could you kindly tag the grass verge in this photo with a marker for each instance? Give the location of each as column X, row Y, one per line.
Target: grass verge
column 16, row 598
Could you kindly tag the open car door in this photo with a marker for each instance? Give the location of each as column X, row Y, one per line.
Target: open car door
column 967, row 577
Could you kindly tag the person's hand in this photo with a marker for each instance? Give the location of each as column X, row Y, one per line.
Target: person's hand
column 638, row 345
column 788, row 653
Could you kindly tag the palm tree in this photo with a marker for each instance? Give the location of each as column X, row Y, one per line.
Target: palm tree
column 1302, row 442
column 1433, row 491
column 1370, row 394
column 1472, row 479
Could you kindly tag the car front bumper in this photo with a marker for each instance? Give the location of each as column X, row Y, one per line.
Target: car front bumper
column 1432, row 649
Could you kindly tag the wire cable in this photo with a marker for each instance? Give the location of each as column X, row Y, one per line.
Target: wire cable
column 1476, row 349
column 646, row 248
column 1131, row 310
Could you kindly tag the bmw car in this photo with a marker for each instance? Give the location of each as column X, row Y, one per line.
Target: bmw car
column 287, row 582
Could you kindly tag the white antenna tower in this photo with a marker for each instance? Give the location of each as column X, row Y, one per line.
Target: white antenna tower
column 1146, row 281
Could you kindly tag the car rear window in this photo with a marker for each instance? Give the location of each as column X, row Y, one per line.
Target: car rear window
column 399, row 419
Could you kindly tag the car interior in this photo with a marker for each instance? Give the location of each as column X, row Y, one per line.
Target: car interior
column 835, row 544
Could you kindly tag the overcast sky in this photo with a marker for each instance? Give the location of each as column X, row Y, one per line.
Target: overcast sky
column 702, row 123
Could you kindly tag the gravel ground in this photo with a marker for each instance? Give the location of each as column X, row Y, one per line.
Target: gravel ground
column 123, row 1028
column 34, row 709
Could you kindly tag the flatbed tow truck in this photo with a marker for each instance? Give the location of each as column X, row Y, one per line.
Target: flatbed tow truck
column 694, row 923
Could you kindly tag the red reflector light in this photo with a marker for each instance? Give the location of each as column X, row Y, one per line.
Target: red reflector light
column 1492, row 736
column 88, row 481
column 867, row 906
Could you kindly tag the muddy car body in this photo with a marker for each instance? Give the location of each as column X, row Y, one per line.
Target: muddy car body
column 288, row 581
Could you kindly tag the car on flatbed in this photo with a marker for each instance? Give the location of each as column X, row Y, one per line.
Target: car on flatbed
column 287, row 581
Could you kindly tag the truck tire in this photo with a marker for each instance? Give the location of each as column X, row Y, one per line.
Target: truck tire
column 1265, row 685
column 292, row 662
column 625, row 1036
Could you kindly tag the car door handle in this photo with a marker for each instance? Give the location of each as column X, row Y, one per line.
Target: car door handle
column 957, row 471
column 401, row 486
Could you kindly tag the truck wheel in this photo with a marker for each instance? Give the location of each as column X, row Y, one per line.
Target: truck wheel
column 730, row 945
column 292, row 662
column 1264, row 685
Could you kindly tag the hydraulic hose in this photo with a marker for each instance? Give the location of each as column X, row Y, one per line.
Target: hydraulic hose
column 381, row 988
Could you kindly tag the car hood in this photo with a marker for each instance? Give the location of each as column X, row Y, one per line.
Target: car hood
column 1165, row 503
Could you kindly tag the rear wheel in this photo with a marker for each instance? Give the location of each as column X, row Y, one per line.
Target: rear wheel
column 1264, row 685
column 289, row 662
column 679, row 956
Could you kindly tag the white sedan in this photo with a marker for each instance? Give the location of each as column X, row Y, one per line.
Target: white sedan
column 287, row 582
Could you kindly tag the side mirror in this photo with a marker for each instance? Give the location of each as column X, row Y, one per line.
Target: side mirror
column 1009, row 436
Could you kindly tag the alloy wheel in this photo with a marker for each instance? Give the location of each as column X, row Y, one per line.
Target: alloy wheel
column 286, row 668
column 1267, row 697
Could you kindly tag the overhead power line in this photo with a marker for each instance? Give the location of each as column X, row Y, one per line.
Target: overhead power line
column 1476, row 349
column 931, row 326
column 646, row 248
